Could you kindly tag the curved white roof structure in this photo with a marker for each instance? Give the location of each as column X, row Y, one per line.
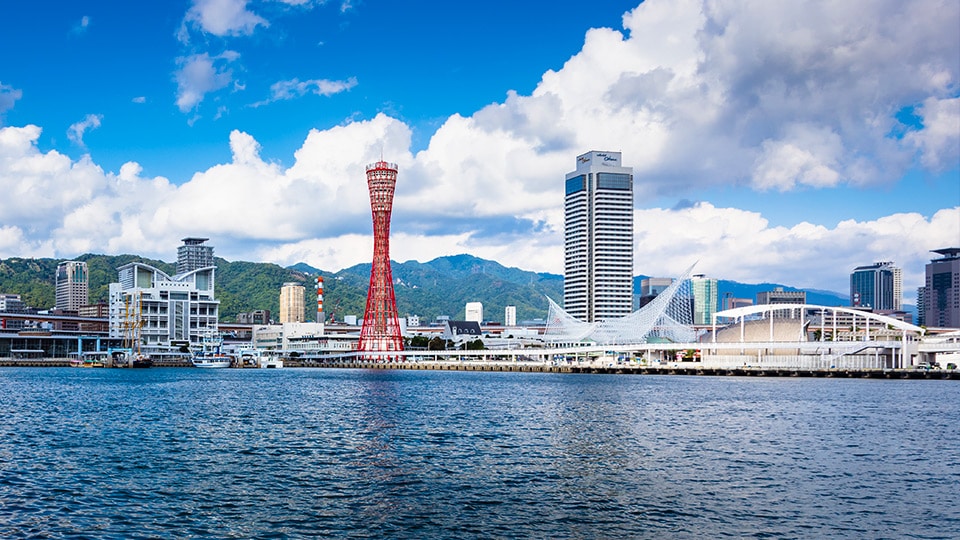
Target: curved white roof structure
column 742, row 312
column 668, row 316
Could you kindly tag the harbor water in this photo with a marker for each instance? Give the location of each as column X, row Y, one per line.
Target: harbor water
column 295, row 453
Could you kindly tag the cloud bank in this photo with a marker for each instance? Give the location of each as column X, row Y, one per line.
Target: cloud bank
column 696, row 94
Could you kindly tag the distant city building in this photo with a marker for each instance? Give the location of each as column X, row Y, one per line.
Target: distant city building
column 72, row 285
column 654, row 285
column 260, row 316
column 94, row 311
column 878, row 286
column 598, row 238
column 292, row 303
column 650, row 288
column 510, row 316
column 11, row 303
column 704, row 298
column 168, row 311
column 780, row 296
column 941, row 302
column 731, row 302
column 193, row 255
column 474, row 312
column 921, row 307
column 413, row 321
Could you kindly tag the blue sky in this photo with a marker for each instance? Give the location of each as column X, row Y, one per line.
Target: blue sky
column 771, row 142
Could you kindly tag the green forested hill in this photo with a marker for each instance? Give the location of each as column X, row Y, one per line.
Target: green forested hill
column 442, row 286
column 439, row 287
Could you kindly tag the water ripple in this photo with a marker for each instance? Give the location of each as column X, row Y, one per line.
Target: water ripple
column 334, row 453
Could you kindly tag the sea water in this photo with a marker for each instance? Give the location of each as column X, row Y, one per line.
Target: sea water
column 291, row 453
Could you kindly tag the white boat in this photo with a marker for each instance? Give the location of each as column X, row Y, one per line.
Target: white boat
column 210, row 354
column 212, row 360
column 270, row 362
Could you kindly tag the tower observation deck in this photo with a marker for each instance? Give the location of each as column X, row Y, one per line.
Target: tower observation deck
column 381, row 326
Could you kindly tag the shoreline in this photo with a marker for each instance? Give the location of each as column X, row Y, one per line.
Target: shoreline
column 536, row 367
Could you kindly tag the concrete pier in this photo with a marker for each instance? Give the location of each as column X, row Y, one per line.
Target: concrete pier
column 630, row 369
column 683, row 369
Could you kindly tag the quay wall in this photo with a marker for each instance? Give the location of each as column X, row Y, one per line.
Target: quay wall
column 635, row 369
column 540, row 367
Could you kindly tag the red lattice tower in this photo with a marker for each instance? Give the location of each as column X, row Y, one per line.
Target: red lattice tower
column 381, row 327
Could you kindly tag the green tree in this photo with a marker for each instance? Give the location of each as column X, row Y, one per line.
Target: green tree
column 437, row 344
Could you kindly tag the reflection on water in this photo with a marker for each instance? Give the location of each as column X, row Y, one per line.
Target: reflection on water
column 298, row 453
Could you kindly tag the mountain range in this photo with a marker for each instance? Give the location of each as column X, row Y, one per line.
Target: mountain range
column 442, row 286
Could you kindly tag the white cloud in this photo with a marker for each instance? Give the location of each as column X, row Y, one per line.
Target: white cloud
column 8, row 96
column 294, row 88
column 201, row 74
column 317, row 211
column 939, row 140
column 139, row 99
column 77, row 129
column 740, row 245
column 224, row 17
column 751, row 95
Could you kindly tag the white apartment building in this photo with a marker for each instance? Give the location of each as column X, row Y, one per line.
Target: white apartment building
column 598, row 238
column 473, row 312
column 510, row 316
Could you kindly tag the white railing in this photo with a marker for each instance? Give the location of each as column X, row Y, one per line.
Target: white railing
column 855, row 362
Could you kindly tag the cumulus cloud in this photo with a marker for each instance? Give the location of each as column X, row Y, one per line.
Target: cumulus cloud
column 224, row 17
column 696, row 94
column 77, row 129
column 139, row 99
column 294, row 88
column 317, row 211
column 939, row 140
column 741, row 245
column 8, row 96
column 201, row 74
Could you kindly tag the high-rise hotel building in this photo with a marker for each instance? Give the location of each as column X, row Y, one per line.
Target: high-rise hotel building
column 72, row 285
column 878, row 286
column 193, row 255
column 939, row 303
column 598, row 238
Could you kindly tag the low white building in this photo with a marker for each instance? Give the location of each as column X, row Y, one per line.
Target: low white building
column 305, row 338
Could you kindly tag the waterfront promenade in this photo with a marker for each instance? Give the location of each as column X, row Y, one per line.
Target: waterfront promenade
column 592, row 367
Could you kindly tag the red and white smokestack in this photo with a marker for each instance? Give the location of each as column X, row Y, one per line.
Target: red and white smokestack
column 319, row 299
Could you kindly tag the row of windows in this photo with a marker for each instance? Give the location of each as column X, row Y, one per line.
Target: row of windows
column 577, row 183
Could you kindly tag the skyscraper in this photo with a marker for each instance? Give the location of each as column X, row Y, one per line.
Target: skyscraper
column 292, row 303
column 72, row 285
column 598, row 238
column 878, row 286
column 193, row 255
column 381, row 325
column 704, row 298
column 941, row 293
